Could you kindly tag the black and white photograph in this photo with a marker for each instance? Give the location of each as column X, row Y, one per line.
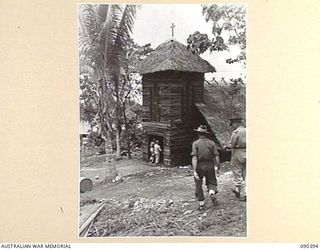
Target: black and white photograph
column 162, row 126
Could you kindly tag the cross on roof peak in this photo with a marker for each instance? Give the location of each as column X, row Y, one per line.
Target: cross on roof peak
column 172, row 29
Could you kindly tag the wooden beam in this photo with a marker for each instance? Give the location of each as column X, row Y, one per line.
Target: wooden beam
column 159, row 125
column 84, row 227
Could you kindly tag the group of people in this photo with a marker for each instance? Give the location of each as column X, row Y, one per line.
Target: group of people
column 155, row 152
column 205, row 159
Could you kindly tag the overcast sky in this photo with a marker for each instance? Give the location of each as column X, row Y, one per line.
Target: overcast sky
column 153, row 22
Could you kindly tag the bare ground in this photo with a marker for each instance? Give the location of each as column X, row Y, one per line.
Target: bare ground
column 155, row 201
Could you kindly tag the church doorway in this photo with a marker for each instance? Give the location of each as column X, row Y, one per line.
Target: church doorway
column 151, row 140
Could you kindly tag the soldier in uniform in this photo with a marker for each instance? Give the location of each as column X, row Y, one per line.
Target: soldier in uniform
column 157, row 151
column 204, row 154
column 238, row 160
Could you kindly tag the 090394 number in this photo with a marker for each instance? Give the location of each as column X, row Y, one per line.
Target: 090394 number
column 309, row 246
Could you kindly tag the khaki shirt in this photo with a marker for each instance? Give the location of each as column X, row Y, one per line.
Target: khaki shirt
column 204, row 149
column 157, row 149
column 238, row 138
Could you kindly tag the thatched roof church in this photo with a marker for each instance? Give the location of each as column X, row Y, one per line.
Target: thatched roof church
column 173, row 101
column 173, row 55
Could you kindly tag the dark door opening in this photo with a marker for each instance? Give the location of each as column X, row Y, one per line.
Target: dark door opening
column 155, row 138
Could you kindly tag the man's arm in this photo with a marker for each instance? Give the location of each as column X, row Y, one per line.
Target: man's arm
column 194, row 165
column 233, row 141
column 217, row 161
column 195, row 160
column 216, row 156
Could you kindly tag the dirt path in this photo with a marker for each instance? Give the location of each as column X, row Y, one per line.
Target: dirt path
column 160, row 202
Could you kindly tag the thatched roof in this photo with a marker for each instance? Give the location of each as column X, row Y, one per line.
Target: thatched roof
column 217, row 126
column 172, row 55
column 215, row 110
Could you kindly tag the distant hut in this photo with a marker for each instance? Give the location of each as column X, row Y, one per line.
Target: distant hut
column 173, row 82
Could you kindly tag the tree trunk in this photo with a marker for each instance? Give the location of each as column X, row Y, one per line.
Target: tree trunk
column 111, row 169
column 129, row 149
column 108, row 148
column 127, row 129
column 118, row 115
column 107, row 71
column 118, row 153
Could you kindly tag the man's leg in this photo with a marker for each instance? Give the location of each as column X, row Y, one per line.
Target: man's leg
column 153, row 158
column 157, row 158
column 237, row 169
column 211, row 180
column 211, row 183
column 244, row 177
column 199, row 191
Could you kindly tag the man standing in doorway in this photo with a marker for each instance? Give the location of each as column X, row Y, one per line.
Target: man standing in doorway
column 204, row 154
column 157, row 151
column 152, row 156
column 238, row 160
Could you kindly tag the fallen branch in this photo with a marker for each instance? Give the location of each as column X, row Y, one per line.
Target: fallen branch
column 87, row 231
column 142, row 231
column 97, row 231
column 88, row 222
column 155, row 223
column 104, row 232
column 161, row 207
column 173, row 222
column 185, row 216
column 189, row 222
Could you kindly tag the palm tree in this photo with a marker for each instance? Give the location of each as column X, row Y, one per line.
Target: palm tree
column 104, row 31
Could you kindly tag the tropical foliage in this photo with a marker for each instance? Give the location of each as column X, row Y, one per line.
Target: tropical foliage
column 228, row 28
column 107, row 56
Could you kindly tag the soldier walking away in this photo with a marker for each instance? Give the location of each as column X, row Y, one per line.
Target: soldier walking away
column 204, row 154
column 157, row 151
column 238, row 159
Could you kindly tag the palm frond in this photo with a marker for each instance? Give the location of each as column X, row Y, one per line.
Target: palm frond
column 124, row 29
column 104, row 33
